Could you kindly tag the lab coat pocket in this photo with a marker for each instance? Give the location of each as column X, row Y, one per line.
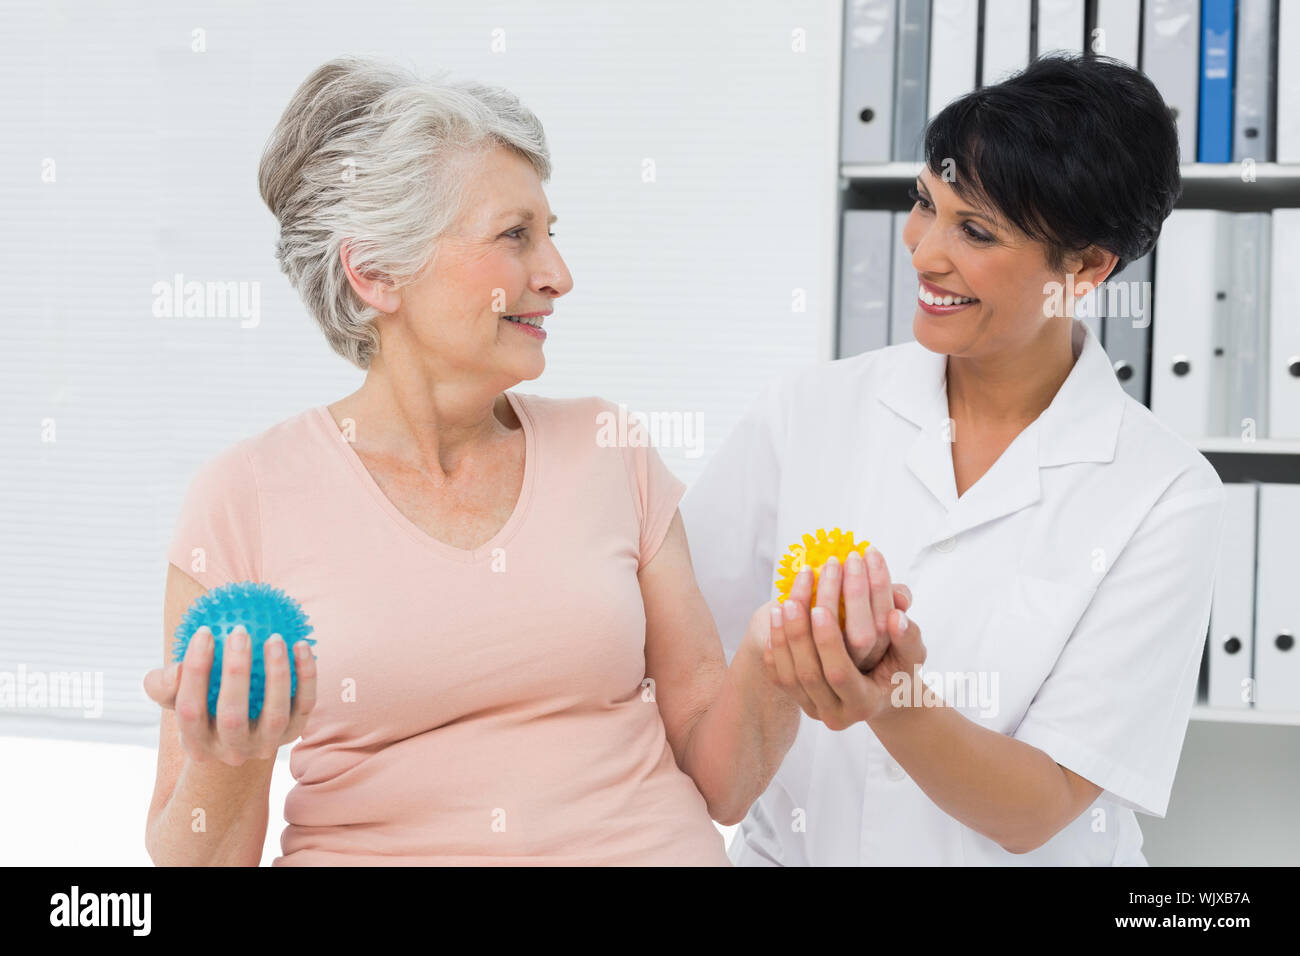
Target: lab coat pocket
column 1021, row 643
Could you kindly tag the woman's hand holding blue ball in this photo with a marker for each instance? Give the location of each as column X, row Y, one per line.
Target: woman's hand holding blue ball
column 232, row 737
column 258, row 697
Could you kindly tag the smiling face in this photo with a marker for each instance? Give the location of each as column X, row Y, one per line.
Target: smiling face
column 960, row 249
column 497, row 260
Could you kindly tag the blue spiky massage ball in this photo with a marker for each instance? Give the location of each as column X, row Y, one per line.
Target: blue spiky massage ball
column 263, row 610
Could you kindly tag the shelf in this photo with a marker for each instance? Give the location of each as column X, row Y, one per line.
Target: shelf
column 1267, row 460
column 1205, row 185
column 1261, row 446
column 903, row 172
column 1231, row 172
column 1197, row 172
column 1230, row 716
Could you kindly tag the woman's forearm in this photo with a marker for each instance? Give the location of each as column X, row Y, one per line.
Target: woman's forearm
column 1010, row 792
column 231, row 828
column 737, row 745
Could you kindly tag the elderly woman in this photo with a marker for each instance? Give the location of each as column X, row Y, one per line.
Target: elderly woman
column 1060, row 541
column 515, row 663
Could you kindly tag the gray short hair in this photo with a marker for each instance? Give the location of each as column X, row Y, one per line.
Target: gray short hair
column 369, row 153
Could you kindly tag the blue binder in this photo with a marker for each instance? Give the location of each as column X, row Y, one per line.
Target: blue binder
column 1218, row 40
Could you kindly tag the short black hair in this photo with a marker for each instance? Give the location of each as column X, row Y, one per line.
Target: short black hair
column 1074, row 150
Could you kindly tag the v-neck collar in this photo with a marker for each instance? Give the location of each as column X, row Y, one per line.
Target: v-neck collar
column 418, row 534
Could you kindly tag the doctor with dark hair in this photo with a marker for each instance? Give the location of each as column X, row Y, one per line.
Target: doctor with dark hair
column 1058, row 540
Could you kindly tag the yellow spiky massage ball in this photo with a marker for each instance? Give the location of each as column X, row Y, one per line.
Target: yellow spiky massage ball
column 813, row 552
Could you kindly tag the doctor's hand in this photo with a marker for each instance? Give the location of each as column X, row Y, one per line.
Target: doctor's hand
column 868, row 596
column 809, row 660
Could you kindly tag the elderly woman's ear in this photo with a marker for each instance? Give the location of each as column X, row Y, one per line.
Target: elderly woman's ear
column 375, row 291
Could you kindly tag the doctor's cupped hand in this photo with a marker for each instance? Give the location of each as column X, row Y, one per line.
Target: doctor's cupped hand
column 839, row 676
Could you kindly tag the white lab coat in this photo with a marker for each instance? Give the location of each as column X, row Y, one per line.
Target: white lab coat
column 1077, row 572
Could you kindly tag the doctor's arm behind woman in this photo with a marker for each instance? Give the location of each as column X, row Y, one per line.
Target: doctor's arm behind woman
column 1111, row 715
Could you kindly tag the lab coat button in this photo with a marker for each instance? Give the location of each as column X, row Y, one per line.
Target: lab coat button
column 894, row 772
column 946, row 545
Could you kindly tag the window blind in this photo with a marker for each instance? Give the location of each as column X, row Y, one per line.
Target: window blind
column 695, row 173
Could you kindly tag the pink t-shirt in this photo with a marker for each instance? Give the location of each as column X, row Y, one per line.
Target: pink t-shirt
column 479, row 706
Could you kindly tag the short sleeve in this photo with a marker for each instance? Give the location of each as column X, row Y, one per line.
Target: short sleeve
column 217, row 536
column 730, row 517
column 656, row 491
column 1115, row 707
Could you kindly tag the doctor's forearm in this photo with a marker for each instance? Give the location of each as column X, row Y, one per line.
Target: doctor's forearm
column 1010, row 792
column 740, row 741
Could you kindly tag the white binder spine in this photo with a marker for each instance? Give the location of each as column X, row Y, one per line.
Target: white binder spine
column 865, row 262
column 1006, row 38
column 1171, row 45
column 1191, row 290
column 1253, row 97
column 867, row 98
column 1126, row 323
column 911, row 79
column 1284, row 328
column 1232, row 614
column 1116, row 31
column 1246, row 337
column 1288, row 82
column 1060, row 26
column 1277, row 600
column 902, row 312
column 954, row 32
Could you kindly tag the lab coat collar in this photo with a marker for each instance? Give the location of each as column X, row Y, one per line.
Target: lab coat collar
column 1081, row 424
